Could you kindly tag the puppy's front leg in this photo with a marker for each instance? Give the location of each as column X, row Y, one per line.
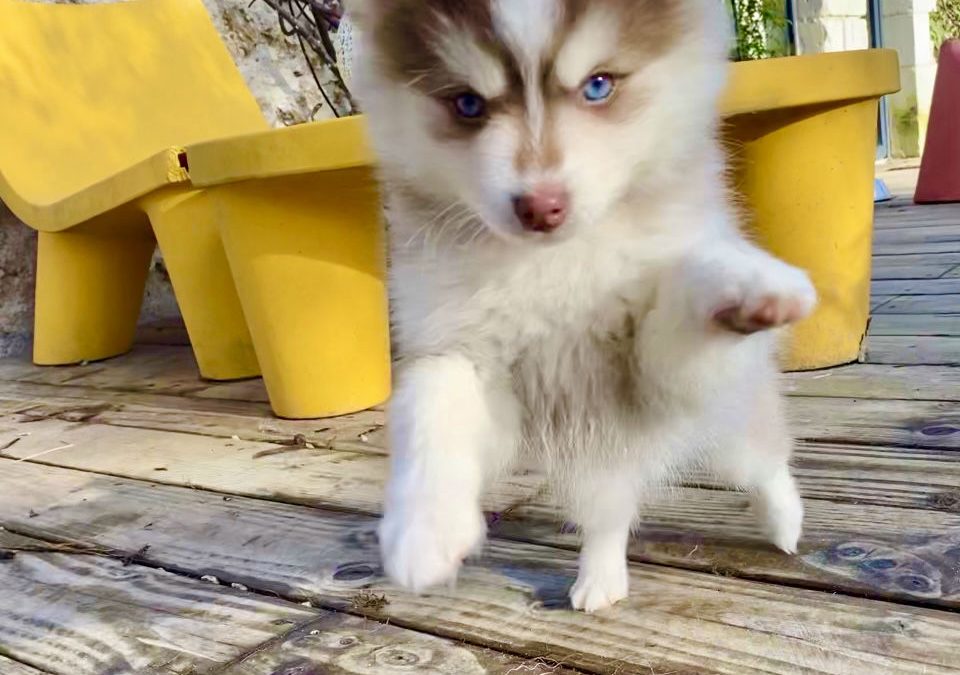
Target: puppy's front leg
column 451, row 429
column 695, row 349
column 691, row 343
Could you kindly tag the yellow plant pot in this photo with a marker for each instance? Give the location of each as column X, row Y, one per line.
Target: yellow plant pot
column 802, row 136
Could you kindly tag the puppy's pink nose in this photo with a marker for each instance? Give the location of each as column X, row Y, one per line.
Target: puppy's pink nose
column 542, row 210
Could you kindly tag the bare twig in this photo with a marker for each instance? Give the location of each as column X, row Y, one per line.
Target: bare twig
column 311, row 31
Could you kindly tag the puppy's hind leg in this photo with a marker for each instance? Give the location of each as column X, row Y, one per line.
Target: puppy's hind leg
column 759, row 463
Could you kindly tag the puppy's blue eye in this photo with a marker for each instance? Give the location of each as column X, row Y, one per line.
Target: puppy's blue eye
column 598, row 88
column 470, row 106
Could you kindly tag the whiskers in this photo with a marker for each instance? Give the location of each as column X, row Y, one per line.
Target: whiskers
column 451, row 227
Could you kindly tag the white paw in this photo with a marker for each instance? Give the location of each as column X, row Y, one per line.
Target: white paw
column 770, row 295
column 425, row 545
column 781, row 518
column 600, row 587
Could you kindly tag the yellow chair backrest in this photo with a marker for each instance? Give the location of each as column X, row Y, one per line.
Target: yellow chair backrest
column 86, row 91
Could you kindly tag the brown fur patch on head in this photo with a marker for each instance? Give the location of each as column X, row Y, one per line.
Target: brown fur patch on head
column 648, row 28
column 408, row 35
column 440, row 48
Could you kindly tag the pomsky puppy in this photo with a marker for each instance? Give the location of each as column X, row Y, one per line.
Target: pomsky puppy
column 568, row 279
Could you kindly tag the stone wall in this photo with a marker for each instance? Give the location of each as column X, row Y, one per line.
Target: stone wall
column 276, row 73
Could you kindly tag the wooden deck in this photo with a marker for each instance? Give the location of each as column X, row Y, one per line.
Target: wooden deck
column 154, row 523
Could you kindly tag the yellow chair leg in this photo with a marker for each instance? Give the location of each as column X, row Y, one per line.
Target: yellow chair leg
column 89, row 289
column 308, row 261
column 189, row 240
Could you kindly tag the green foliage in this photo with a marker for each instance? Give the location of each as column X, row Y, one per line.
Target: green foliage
column 945, row 22
column 760, row 27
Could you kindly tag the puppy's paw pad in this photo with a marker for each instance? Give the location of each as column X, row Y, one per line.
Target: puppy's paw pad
column 770, row 311
column 421, row 552
column 774, row 297
column 597, row 590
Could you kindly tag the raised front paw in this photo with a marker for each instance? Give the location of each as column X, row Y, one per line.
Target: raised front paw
column 424, row 545
column 774, row 295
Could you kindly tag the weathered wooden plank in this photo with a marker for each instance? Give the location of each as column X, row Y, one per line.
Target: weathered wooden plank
column 910, row 216
column 513, row 598
column 338, row 644
column 87, row 614
column 160, row 369
column 352, row 479
column 865, row 380
column 898, row 248
column 921, row 424
column 923, row 232
column 908, row 350
column 11, row 667
column 896, row 271
column 915, row 324
column 888, row 220
column 335, row 479
column 916, row 287
column 104, row 616
column 319, row 475
column 920, row 304
column 355, row 481
column 953, row 273
column 904, row 258
column 208, row 417
column 240, row 390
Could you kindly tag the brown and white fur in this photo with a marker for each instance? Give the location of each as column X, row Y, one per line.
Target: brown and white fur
column 617, row 349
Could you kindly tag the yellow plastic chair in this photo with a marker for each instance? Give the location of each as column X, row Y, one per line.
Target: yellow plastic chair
column 300, row 219
column 100, row 103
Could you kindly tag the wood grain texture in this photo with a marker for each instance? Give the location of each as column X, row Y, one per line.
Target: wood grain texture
column 894, row 270
column 920, row 304
column 922, row 424
column 910, row 350
column 11, row 667
column 233, row 420
column 919, row 232
column 866, row 380
column 915, row 325
column 915, row 286
column 90, row 615
column 160, row 369
column 354, row 480
column 76, row 613
column 513, row 598
column 338, row 644
column 914, row 247
column 318, row 475
column 904, row 258
column 711, row 518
